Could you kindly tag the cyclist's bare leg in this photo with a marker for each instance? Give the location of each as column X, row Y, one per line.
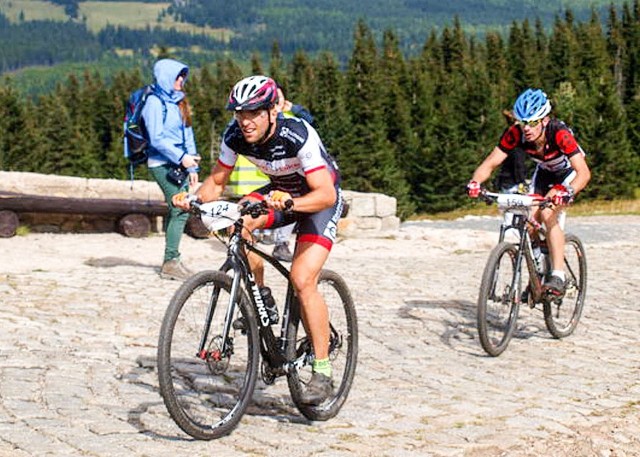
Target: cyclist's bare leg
column 555, row 236
column 255, row 261
column 308, row 260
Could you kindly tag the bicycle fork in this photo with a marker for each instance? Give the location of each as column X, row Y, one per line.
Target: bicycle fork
column 226, row 346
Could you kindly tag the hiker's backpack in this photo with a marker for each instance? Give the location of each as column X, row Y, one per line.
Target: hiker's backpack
column 136, row 138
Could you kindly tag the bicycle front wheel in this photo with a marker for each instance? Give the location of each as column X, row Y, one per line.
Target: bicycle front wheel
column 562, row 317
column 343, row 348
column 499, row 299
column 207, row 391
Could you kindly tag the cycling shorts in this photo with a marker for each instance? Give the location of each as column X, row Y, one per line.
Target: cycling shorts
column 320, row 228
column 543, row 180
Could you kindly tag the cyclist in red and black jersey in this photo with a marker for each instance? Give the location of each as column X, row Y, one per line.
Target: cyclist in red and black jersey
column 561, row 171
column 290, row 152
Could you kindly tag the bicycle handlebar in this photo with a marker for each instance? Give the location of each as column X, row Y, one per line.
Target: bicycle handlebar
column 514, row 200
column 253, row 208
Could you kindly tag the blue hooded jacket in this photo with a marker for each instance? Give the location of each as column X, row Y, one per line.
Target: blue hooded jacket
column 170, row 139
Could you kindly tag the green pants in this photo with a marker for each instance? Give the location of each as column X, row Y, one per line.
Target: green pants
column 176, row 218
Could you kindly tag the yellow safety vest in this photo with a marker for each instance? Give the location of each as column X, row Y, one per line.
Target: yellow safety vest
column 245, row 178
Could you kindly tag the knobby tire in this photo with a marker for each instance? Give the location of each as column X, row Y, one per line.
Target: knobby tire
column 562, row 318
column 207, row 397
column 343, row 348
column 498, row 302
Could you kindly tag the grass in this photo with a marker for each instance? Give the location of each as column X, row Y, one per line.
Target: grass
column 33, row 10
column 589, row 208
column 134, row 15
column 128, row 14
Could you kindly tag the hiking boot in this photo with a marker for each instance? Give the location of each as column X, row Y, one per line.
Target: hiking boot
column 320, row 387
column 282, row 252
column 175, row 269
column 554, row 286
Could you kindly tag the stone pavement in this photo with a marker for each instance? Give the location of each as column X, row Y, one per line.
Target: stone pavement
column 80, row 316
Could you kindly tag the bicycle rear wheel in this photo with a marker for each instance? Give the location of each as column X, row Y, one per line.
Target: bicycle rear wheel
column 343, row 348
column 499, row 299
column 562, row 318
column 207, row 393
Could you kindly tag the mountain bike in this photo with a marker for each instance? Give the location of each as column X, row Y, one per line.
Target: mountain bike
column 208, row 365
column 515, row 274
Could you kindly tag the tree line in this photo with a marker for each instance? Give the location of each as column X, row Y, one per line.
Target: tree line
column 410, row 127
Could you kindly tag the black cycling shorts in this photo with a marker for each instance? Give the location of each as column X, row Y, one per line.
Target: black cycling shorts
column 320, row 228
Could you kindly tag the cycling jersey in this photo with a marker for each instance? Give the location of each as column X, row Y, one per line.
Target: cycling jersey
column 553, row 163
column 293, row 152
column 560, row 146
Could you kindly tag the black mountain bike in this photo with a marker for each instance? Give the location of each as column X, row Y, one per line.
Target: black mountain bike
column 514, row 274
column 208, row 367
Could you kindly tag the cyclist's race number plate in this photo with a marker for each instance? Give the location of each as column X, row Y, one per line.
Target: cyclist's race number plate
column 517, row 201
column 219, row 214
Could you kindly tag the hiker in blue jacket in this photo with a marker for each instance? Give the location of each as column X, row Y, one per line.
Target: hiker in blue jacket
column 173, row 159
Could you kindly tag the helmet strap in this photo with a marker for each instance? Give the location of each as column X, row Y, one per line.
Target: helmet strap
column 542, row 130
column 268, row 132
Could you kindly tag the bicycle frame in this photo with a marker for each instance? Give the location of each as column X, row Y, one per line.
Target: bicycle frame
column 518, row 207
column 273, row 349
column 524, row 225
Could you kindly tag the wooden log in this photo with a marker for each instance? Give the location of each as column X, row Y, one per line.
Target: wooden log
column 105, row 206
column 134, row 225
column 8, row 224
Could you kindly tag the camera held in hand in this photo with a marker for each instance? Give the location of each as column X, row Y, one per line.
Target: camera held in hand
column 178, row 175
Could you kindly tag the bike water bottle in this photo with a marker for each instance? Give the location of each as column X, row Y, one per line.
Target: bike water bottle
column 269, row 304
column 539, row 257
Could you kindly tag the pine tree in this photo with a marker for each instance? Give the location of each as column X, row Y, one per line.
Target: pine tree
column 562, row 51
column 523, row 61
column 15, row 132
column 395, row 94
column 277, row 69
column 616, row 49
column 631, row 62
column 601, row 132
column 256, row 64
column 369, row 163
column 302, row 80
column 328, row 108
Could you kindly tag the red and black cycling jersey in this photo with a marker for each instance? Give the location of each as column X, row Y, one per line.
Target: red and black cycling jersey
column 560, row 145
column 294, row 151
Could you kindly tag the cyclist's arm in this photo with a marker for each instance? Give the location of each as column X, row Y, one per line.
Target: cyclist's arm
column 322, row 194
column 488, row 165
column 214, row 184
column 583, row 174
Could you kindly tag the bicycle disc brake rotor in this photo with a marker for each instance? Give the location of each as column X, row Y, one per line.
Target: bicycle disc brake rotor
column 217, row 360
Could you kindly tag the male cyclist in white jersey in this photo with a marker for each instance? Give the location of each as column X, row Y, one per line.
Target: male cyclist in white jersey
column 561, row 170
column 290, row 152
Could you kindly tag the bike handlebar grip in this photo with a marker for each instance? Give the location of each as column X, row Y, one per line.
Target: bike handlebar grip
column 193, row 200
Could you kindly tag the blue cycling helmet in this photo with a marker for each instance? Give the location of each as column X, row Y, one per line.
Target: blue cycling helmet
column 531, row 105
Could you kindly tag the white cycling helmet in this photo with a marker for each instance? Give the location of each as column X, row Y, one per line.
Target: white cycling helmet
column 252, row 93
